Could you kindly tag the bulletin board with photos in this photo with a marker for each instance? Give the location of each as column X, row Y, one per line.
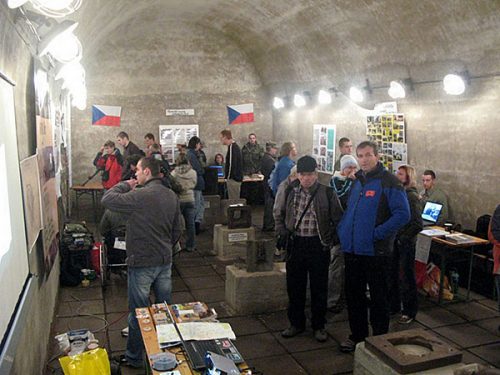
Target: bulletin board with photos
column 173, row 135
column 389, row 132
column 324, row 147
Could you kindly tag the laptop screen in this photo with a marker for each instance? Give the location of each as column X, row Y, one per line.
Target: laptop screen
column 431, row 211
column 220, row 170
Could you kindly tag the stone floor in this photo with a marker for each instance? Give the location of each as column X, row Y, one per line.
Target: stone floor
column 471, row 327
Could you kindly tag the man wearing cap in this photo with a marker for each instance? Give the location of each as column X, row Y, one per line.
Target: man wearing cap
column 307, row 214
column 376, row 209
column 341, row 182
column 266, row 167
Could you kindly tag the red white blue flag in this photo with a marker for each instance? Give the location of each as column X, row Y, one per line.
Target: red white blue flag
column 239, row 114
column 106, row 115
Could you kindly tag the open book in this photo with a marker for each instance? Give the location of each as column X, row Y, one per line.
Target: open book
column 192, row 312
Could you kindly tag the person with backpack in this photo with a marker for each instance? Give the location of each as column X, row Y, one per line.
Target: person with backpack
column 186, row 177
column 110, row 161
column 307, row 215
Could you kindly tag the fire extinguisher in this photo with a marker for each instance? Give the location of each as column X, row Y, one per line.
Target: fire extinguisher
column 95, row 257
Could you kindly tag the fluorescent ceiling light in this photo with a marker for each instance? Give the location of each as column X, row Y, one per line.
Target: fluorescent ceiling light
column 324, row 97
column 61, row 43
column 299, row 100
column 16, row 3
column 356, row 95
column 278, row 103
column 396, row 90
column 453, row 84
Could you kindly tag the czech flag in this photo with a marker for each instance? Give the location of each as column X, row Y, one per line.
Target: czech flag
column 106, row 115
column 239, row 114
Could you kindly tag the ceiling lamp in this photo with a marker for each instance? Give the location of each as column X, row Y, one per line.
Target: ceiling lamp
column 356, row 94
column 299, row 100
column 61, row 43
column 397, row 90
column 453, row 84
column 278, row 103
column 50, row 8
column 324, row 97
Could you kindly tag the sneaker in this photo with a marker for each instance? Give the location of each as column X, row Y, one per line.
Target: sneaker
column 320, row 335
column 125, row 332
column 347, row 346
column 123, row 361
column 291, row 332
column 405, row 319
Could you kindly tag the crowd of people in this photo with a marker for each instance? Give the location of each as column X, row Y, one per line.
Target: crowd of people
column 352, row 241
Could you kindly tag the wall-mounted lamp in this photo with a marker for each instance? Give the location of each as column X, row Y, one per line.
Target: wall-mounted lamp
column 356, row 94
column 278, row 103
column 61, row 43
column 299, row 100
column 454, row 84
column 49, row 8
column 324, row 97
column 397, row 90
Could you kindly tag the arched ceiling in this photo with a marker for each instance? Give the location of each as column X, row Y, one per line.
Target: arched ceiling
column 309, row 40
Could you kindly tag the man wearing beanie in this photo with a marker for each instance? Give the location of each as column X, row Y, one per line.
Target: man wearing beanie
column 307, row 214
column 376, row 209
column 341, row 182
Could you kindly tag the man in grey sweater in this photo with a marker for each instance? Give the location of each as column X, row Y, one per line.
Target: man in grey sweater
column 153, row 227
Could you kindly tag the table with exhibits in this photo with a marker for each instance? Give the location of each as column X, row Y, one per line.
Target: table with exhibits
column 149, row 337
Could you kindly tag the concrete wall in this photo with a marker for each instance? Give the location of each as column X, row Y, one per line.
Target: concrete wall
column 193, row 68
column 16, row 62
column 457, row 137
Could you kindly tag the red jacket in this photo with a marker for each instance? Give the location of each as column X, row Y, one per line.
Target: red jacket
column 111, row 166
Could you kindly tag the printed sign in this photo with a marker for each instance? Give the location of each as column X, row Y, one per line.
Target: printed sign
column 237, row 237
column 180, row 112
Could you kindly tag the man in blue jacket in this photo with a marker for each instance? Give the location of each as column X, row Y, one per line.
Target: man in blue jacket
column 376, row 210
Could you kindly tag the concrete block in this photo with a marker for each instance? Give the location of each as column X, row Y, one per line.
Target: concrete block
column 239, row 217
column 260, row 255
column 231, row 243
column 256, row 292
column 368, row 363
column 225, row 203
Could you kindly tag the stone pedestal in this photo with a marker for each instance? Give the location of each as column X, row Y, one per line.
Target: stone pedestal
column 239, row 217
column 231, row 243
column 256, row 292
column 212, row 213
column 225, row 203
column 367, row 363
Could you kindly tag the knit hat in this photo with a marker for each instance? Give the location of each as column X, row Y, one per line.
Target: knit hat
column 348, row 161
column 306, row 164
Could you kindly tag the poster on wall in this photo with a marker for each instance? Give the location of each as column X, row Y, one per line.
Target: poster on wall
column 389, row 132
column 171, row 136
column 45, row 122
column 323, row 149
column 31, row 195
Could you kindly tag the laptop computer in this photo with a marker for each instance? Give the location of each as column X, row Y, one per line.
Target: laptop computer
column 431, row 212
column 220, row 170
column 196, row 350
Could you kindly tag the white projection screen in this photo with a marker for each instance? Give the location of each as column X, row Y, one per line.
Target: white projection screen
column 13, row 249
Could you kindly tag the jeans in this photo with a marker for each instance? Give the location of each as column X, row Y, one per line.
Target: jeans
column 359, row 271
column 268, row 222
column 199, row 206
column 140, row 281
column 307, row 259
column 188, row 211
column 336, row 277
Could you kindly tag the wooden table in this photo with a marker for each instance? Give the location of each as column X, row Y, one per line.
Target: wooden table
column 148, row 331
column 447, row 248
column 92, row 188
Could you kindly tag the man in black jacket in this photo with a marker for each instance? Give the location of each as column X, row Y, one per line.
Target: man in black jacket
column 129, row 148
column 234, row 165
column 266, row 167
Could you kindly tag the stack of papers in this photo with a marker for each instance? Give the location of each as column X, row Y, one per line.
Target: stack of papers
column 434, row 232
column 167, row 333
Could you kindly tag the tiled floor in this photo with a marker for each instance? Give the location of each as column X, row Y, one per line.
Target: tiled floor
column 471, row 327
